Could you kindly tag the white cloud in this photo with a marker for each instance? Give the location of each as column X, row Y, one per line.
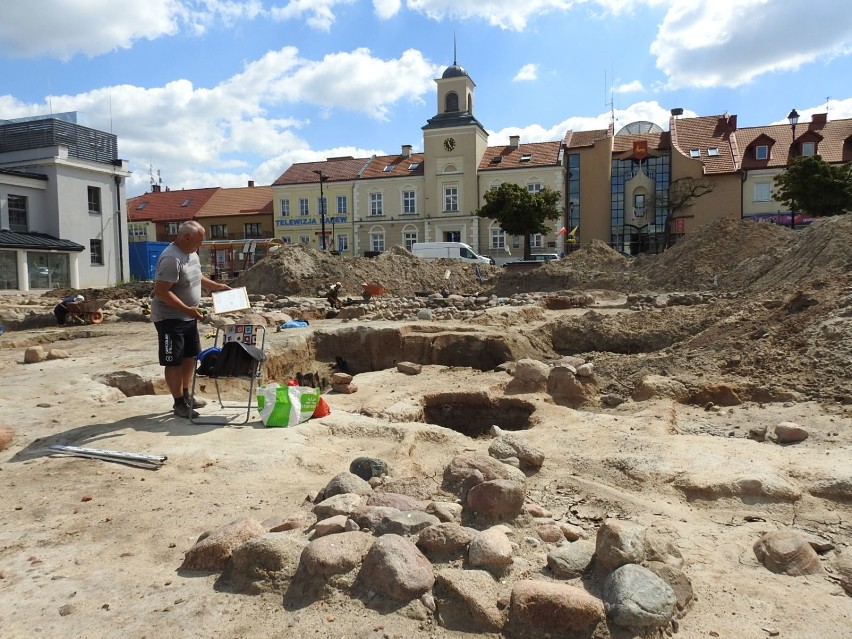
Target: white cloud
column 180, row 126
column 629, row 87
column 649, row 111
column 320, row 13
column 63, row 28
column 701, row 44
column 386, row 8
column 513, row 15
column 526, row 73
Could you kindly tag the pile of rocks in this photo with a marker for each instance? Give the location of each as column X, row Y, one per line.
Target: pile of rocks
column 475, row 555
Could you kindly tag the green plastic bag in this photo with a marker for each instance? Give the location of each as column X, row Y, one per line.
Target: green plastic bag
column 280, row 405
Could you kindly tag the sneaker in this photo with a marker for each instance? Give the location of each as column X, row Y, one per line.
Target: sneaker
column 197, row 402
column 182, row 410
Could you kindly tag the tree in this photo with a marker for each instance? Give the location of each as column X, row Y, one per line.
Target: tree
column 681, row 196
column 813, row 186
column 521, row 212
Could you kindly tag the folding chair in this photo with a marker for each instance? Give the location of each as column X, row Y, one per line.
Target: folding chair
column 241, row 356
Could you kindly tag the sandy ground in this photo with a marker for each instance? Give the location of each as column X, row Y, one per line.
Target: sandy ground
column 92, row 549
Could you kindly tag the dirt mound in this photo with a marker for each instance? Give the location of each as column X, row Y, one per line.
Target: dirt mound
column 131, row 290
column 820, row 252
column 301, row 271
column 712, row 257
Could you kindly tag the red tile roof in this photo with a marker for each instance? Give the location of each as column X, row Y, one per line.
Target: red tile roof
column 400, row 165
column 833, row 141
column 340, row 169
column 168, row 206
column 576, row 139
column 510, row 157
column 656, row 141
column 705, row 133
column 248, row 200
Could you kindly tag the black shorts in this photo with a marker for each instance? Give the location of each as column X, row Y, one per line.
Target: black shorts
column 178, row 340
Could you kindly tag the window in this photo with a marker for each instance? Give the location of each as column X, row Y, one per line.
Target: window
column 376, row 204
column 388, row 168
column 94, row 200
column 408, row 203
column 285, row 208
column 304, row 211
column 451, row 198
column 695, row 153
column 526, row 157
column 516, row 241
column 304, row 239
column 172, row 228
column 409, row 238
column 377, row 242
column 413, row 166
column 808, row 149
column 97, row 251
column 498, row 239
column 761, row 152
column 138, row 232
column 286, row 239
column 342, row 207
column 141, row 206
column 322, row 206
column 186, row 202
column 253, row 229
column 638, row 205
column 452, row 101
column 18, row 213
column 761, row 192
column 218, row 231
column 713, row 151
column 536, row 241
column 342, row 242
column 534, row 187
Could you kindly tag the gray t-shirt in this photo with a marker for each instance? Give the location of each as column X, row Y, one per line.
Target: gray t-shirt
column 185, row 271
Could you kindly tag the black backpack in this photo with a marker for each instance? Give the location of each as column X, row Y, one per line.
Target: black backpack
column 235, row 360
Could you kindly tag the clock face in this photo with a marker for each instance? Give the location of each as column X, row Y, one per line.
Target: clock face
column 449, row 144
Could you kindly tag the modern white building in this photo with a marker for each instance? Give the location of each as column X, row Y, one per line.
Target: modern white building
column 63, row 221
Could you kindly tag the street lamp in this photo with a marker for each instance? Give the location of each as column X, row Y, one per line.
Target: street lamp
column 322, row 178
column 793, row 119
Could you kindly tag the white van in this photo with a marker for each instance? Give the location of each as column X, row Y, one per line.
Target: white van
column 452, row 250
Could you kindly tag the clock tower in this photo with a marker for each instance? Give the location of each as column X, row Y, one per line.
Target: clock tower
column 453, row 144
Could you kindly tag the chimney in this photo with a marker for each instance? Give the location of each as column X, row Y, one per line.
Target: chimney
column 251, row 184
column 514, row 141
column 406, row 150
column 819, row 120
column 155, row 188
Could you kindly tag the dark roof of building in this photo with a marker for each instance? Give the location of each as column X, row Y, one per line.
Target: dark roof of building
column 454, row 71
column 521, row 156
column 382, row 166
column 340, row 169
column 247, row 200
column 168, row 206
column 34, row 176
column 16, row 240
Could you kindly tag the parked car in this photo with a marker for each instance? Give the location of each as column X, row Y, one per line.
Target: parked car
column 540, row 257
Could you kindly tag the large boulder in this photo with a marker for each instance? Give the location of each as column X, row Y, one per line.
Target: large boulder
column 213, row 551
column 548, row 607
column 396, row 569
column 634, row 597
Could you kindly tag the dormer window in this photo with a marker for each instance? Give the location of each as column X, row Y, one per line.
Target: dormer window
column 761, row 152
column 713, row 151
column 695, row 153
column 808, row 149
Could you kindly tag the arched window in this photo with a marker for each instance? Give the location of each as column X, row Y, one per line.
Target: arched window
column 452, row 102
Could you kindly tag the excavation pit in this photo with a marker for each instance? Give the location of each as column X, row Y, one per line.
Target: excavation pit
column 473, row 414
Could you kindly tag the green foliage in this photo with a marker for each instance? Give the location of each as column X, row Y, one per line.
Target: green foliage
column 812, row 186
column 520, row 212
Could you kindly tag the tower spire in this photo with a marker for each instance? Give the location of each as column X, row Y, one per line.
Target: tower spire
column 455, row 59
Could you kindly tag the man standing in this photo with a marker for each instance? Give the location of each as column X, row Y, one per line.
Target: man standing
column 175, row 313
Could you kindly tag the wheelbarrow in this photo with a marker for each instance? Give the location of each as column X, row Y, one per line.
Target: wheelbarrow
column 86, row 312
column 372, row 290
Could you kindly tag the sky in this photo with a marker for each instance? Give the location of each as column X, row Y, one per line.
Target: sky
column 205, row 93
